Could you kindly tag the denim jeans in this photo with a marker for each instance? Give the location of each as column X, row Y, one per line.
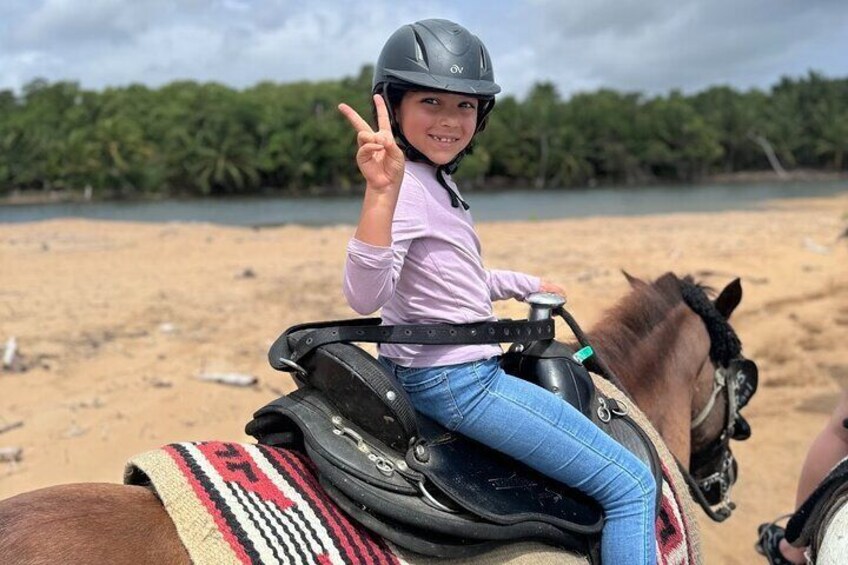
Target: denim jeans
column 528, row 423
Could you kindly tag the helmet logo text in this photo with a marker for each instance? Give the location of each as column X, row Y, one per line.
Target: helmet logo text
column 456, row 69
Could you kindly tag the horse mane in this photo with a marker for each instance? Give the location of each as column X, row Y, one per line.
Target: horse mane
column 643, row 314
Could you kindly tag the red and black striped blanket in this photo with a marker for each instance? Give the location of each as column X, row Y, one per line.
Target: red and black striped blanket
column 252, row 504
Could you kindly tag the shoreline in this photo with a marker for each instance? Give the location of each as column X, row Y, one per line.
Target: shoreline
column 495, row 185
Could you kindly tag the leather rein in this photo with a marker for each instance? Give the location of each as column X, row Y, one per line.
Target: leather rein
column 737, row 386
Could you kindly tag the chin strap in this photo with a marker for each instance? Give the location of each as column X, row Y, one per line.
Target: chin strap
column 413, row 154
column 455, row 199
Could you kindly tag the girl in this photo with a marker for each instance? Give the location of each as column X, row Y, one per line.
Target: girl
column 415, row 254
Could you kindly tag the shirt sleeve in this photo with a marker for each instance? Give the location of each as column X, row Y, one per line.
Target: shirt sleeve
column 511, row 284
column 371, row 272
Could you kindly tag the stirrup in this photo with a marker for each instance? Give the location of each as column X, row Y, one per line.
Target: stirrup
column 768, row 542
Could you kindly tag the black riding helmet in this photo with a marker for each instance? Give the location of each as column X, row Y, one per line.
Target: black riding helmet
column 435, row 55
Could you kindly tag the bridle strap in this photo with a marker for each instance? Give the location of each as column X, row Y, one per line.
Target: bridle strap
column 719, row 383
column 720, row 515
column 722, row 381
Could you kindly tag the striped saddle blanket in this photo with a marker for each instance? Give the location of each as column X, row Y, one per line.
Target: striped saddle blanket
column 246, row 503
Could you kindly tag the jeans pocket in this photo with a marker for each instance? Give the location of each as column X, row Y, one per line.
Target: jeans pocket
column 430, row 392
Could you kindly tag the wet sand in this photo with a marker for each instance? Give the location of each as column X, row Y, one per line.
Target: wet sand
column 114, row 321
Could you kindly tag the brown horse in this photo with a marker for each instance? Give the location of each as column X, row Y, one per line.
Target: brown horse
column 664, row 341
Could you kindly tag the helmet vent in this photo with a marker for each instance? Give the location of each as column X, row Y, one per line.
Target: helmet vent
column 420, row 52
column 482, row 60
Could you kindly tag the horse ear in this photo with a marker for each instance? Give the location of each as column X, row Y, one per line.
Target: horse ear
column 729, row 298
column 634, row 282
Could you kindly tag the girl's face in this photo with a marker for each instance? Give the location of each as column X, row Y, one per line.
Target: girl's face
column 438, row 124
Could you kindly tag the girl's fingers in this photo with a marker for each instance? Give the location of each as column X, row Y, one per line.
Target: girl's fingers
column 370, row 148
column 364, row 137
column 355, row 119
column 394, row 151
column 383, row 122
column 370, row 151
column 380, row 137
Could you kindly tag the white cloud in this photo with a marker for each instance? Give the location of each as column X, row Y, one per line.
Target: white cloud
column 654, row 45
column 64, row 22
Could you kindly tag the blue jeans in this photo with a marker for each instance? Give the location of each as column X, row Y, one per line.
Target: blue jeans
column 528, row 423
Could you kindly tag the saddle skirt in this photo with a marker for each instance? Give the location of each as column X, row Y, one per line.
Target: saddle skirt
column 419, row 485
column 456, row 503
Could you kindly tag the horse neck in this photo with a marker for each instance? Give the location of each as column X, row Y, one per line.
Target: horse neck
column 658, row 370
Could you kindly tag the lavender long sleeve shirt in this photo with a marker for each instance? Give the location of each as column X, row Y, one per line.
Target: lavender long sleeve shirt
column 432, row 273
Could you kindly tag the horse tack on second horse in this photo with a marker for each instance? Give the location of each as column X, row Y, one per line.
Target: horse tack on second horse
column 437, row 493
column 820, row 522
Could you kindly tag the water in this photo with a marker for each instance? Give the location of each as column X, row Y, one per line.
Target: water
column 491, row 206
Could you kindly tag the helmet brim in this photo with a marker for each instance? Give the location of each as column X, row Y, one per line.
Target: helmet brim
column 458, row 85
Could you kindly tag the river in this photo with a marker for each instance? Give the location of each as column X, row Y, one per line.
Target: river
column 517, row 204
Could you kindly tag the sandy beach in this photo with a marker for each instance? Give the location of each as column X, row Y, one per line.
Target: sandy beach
column 114, row 321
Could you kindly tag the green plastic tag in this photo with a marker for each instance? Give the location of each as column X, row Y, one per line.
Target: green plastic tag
column 583, row 354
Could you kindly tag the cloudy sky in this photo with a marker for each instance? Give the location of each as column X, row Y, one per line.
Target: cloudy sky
column 645, row 45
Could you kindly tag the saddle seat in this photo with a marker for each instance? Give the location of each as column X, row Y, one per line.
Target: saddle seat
column 421, row 486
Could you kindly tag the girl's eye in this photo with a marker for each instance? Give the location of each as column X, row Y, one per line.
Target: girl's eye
column 429, row 101
column 468, row 105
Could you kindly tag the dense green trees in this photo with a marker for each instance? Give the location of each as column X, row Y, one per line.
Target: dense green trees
column 200, row 139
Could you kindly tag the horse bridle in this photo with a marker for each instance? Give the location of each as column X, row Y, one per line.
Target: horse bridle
column 738, row 382
column 736, row 377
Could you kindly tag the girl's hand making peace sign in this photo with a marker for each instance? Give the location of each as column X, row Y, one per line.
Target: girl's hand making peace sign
column 379, row 158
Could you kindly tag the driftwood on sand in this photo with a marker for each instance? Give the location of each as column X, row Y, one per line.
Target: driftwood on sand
column 11, row 454
column 232, row 379
column 11, row 426
column 9, row 352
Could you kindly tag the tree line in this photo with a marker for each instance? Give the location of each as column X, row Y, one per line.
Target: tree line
column 189, row 138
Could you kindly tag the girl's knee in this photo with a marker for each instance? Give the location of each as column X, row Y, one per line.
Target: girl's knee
column 636, row 486
column 647, row 484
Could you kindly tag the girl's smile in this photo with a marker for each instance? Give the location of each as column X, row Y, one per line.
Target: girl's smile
column 438, row 124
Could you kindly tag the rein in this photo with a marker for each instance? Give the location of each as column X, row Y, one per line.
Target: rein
column 735, row 376
column 725, row 379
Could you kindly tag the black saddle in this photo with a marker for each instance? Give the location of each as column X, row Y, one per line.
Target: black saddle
column 416, row 483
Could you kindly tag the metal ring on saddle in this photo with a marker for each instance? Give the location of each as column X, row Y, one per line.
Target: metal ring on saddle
column 384, row 465
column 431, row 500
column 604, row 414
column 292, row 365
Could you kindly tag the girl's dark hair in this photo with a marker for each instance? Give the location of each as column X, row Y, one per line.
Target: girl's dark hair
column 394, row 93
